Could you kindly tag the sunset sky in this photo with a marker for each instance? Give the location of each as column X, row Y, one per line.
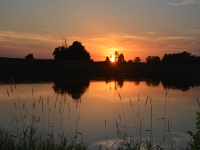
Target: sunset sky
column 136, row 28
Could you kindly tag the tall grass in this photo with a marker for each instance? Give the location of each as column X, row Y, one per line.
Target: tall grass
column 136, row 140
column 40, row 128
column 195, row 142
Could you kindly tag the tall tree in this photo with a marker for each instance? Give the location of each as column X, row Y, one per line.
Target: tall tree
column 74, row 52
column 119, row 57
column 116, row 55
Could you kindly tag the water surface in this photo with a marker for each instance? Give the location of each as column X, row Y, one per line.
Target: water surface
column 160, row 107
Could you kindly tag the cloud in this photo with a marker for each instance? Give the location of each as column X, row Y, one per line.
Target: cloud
column 178, row 44
column 14, row 44
column 114, row 37
column 184, row 2
column 176, row 38
column 192, row 31
column 10, row 35
column 149, row 33
column 127, row 36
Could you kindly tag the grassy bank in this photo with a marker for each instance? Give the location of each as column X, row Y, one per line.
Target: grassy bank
column 9, row 66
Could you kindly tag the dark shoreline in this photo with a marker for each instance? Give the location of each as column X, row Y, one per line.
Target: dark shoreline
column 171, row 76
column 34, row 68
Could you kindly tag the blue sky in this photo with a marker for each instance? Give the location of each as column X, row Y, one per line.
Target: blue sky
column 132, row 27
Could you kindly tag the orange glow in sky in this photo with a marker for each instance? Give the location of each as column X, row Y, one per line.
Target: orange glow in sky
column 136, row 28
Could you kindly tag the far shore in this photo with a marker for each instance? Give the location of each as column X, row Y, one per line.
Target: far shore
column 47, row 67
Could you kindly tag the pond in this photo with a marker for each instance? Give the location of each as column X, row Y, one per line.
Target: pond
column 102, row 109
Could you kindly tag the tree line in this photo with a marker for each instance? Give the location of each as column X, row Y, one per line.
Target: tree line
column 77, row 52
column 175, row 58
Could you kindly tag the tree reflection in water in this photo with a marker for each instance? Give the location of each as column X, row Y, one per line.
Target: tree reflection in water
column 77, row 87
column 73, row 89
column 174, row 82
column 183, row 83
column 153, row 82
column 118, row 82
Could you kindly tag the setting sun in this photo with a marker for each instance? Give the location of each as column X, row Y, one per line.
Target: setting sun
column 112, row 59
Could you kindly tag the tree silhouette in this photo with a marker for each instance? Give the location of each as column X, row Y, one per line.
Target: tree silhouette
column 116, row 55
column 107, row 59
column 153, row 59
column 137, row 60
column 29, row 57
column 74, row 52
column 181, row 58
column 60, row 53
column 77, row 52
column 119, row 57
column 129, row 61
